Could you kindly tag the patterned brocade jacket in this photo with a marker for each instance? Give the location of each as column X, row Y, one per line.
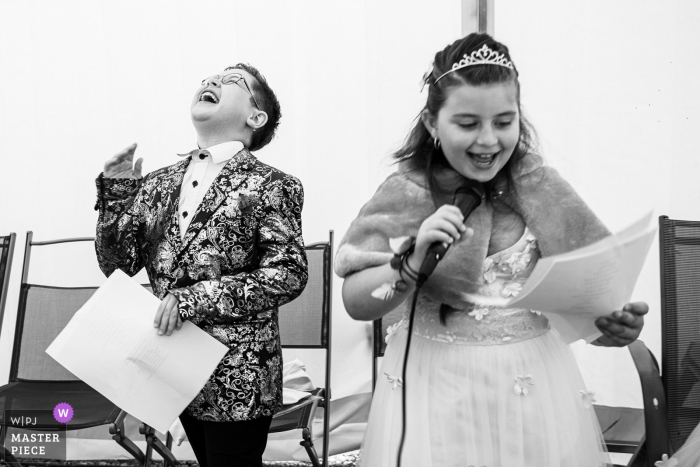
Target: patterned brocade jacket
column 241, row 258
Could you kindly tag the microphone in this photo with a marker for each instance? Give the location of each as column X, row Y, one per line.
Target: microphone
column 466, row 198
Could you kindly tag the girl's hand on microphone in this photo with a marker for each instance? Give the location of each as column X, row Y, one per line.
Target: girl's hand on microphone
column 446, row 225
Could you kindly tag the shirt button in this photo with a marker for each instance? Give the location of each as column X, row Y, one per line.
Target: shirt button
column 184, row 214
column 195, row 183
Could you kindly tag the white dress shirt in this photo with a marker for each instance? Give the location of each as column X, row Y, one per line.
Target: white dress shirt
column 200, row 175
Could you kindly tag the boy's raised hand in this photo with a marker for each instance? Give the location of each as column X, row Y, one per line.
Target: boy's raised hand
column 122, row 166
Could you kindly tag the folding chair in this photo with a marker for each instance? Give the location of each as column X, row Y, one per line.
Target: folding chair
column 639, row 432
column 37, row 382
column 7, row 247
column 305, row 323
column 679, row 242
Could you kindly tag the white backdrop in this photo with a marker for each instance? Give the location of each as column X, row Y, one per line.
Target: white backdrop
column 612, row 90
column 80, row 80
column 610, row 87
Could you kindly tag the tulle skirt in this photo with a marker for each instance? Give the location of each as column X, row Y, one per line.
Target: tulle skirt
column 510, row 405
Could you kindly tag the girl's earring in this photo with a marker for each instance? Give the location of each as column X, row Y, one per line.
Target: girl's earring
column 436, row 143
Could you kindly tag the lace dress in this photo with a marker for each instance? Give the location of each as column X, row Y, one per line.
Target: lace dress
column 494, row 387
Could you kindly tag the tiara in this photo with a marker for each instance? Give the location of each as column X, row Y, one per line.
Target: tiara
column 483, row 56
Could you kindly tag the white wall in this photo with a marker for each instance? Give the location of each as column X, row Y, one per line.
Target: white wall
column 612, row 88
column 80, row 80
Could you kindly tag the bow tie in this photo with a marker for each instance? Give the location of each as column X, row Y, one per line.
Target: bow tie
column 200, row 153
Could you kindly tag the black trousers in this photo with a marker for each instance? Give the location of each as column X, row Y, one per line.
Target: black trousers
column 227, row 444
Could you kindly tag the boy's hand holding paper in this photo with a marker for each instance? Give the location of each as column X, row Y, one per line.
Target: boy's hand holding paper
column 111, row 344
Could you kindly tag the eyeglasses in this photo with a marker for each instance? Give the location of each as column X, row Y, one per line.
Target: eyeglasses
column 232, row 78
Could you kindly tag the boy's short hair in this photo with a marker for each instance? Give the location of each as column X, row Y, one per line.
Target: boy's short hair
column 267, row 100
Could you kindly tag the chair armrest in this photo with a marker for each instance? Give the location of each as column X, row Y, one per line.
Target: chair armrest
column 655, row 415
column 302, row 403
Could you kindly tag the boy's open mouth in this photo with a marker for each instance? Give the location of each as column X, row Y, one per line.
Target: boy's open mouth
column 208, row 96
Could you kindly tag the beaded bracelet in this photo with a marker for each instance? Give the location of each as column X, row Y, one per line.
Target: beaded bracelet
column 407, row 269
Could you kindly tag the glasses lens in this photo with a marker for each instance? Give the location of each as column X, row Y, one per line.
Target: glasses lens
column 232, row 78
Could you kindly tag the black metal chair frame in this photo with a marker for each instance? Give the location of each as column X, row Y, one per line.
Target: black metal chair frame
column 5, row 269
column 115, row 421
column 301, row 414
column 650, row 444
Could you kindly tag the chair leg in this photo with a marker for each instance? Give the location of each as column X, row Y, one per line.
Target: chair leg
column 309, row 446
column 117, row 432
column 147, row 431
column 169, row 459
column 153, row 443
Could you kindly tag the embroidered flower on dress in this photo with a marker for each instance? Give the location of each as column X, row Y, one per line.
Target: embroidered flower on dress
column 394, row 380
column 522, row 384
column 588, row 398
column 519, row 261
column 489, row 270
column 512, row 289
column 391, row 330
column 666, row 462
column 479, row 312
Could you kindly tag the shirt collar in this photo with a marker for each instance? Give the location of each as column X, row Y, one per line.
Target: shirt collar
column 221, row 152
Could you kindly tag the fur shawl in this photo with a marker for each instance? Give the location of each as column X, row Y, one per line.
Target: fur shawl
column 551, row 209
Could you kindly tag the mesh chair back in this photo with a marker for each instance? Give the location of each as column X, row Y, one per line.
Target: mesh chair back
column 43, row 313
column 680, row 308
column 305, row 322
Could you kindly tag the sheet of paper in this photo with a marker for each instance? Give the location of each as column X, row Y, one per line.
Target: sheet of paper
column 111, row 344
column 575, row 288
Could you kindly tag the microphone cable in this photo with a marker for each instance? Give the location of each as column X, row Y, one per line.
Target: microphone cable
column 403, row 373
column 473, row 196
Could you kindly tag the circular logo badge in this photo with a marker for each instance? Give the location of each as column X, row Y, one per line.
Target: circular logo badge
column 63, row 412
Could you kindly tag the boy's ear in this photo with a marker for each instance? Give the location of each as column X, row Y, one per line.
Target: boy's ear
column 257, row 120
column 429, row 122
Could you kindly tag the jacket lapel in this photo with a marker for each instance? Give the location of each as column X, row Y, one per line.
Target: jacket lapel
column 166, row 201
column 229, row 179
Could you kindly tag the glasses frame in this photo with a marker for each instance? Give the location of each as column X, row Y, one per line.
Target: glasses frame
column 239, row 77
